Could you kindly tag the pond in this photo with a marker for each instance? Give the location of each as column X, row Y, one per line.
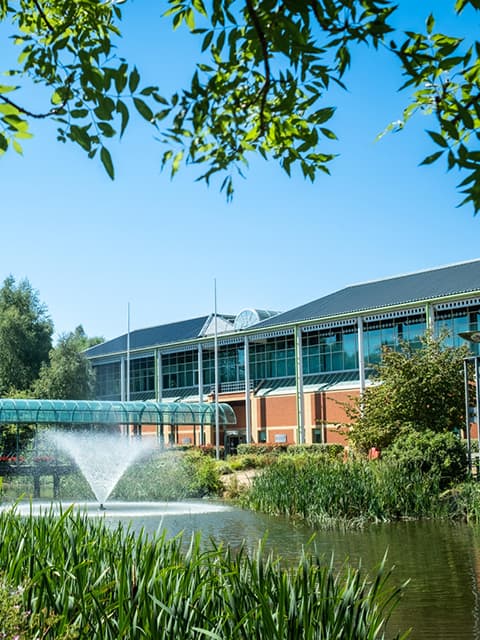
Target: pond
column 441, row 560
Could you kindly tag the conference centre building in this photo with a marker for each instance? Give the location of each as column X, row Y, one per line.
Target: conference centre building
column 286, row 375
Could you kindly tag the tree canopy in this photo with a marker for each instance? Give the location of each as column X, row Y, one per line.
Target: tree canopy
column 29, row 364
column 68, row 374
column 417, row 389
column 260, row 86
column 25, row 335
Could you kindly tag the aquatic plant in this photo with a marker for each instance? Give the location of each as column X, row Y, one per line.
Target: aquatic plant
column 81, row 579
column 324, row 492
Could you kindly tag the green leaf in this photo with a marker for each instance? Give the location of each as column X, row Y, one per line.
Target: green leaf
column 432, row 158
column 438, row 138
column 106, row 159
column 143, row 109
column 3, row 143
column 124, row 114
column 430, row 23
column 133, row 80
column 17, row 146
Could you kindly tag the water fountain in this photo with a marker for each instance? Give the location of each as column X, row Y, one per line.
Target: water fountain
column 103, row 458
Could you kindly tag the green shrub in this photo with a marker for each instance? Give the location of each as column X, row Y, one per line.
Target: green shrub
column 13, row 617
column 442, row 454
column 332, row 451
column 171, row 475
column 261, row 449
column 251, row 461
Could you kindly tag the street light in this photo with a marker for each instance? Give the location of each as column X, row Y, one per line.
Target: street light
column 473, row 337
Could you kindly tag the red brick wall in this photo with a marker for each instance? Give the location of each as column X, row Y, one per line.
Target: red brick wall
column 278, row 411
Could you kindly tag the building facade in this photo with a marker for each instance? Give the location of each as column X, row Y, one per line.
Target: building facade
column 287, row 375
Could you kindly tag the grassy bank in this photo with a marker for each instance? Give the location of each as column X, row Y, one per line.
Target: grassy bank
column 74, row 578
column 325, row 492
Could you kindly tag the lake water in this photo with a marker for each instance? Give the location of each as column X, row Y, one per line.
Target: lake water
column 441, row 559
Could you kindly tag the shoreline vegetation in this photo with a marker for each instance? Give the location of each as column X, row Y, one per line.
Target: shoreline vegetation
column 67, row 577
column 72, row 577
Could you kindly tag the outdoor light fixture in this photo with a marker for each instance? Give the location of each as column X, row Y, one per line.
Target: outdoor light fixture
column 474, row 337
column 471, row 336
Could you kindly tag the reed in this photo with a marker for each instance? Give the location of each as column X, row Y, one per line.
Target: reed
column 80, row 579
column 326, row 492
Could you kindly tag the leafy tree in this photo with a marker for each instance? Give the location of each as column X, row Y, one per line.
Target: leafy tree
column 259, row 88
column 68, row 375
column 25, row 336
column 417, row 389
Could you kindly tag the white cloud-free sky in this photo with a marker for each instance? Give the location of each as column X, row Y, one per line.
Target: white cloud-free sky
column 90, row 246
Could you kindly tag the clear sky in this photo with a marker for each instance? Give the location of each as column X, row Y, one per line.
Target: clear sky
column 91, row 246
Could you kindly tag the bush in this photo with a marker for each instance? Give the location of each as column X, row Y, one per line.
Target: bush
column 170, row 476
column 441, row 454
column 13, row 617
column 261, row 449
column 331, row 451
column 254, row 449
column 251, row 461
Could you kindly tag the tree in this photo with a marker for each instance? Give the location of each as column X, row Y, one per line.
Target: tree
column 25, row 336
column 68, row 375
column 416, row 389
column 259, row 88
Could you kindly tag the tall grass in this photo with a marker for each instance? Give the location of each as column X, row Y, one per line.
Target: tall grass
column 323, row 491
column 81, row 579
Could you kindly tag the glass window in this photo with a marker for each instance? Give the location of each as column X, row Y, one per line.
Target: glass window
column 107, row 381
column 330, row 350
column 274, row 358
column 455, row 321
column 180, row 369
column 142, row 378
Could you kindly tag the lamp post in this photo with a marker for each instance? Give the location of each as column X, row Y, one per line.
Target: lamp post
column 473, row 337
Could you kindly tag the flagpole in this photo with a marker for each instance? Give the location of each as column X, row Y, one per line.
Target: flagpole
column 215, row 350
column 128, row 353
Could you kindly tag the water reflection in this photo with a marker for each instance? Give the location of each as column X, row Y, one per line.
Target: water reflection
column 441, row 560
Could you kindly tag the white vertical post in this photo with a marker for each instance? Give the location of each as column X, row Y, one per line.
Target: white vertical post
column 467, row 412
column 248, row 409
column 361, row 355
column 122, row 379
column 299, row 385
column 159, row 377
column 215, row 348
column 200, row 388
column 127, row 395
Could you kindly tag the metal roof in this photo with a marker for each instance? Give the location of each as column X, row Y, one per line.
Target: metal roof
column 82, row 412
column 151, row 336
column 411, row 288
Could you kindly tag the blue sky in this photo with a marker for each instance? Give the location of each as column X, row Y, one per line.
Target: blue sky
column 91, row 246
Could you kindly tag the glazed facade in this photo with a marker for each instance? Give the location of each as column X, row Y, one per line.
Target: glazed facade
column 286, row 380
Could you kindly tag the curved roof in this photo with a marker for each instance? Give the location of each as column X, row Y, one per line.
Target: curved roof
column 82, row 412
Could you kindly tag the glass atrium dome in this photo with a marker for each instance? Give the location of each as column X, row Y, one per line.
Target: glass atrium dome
column 248, row 317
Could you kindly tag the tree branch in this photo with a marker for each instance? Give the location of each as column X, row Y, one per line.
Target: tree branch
column 30, row 114
column 43, row 16
column 264, row 45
